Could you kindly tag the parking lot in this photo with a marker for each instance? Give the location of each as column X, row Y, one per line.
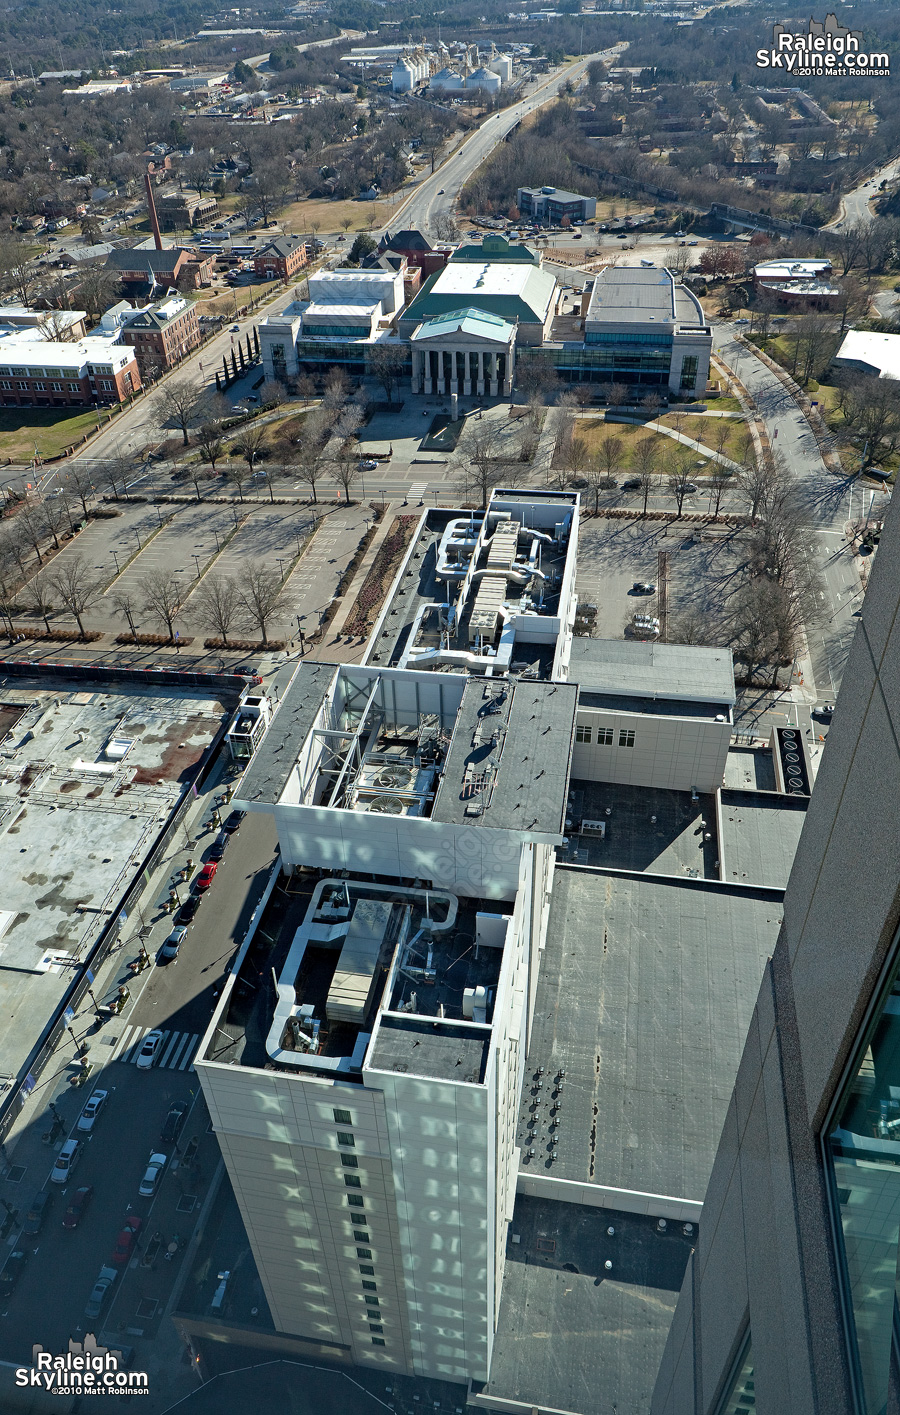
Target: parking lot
column 703, row 574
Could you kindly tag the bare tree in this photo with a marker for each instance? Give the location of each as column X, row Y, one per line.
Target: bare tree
column 577, row 458
column 219, row 602
column 239, row 475
column 643, row 465
column 116, row 472
column 211, row 442
column 258, row 591
column 35, row 594
column 80, row 480
column 718, row 480
column 388, row 362
column 197, row 475
column 680, row 479
column 163, row 597
column 345, row 468
column 248, row 444
column 53, row 510
column 177, row 407
column 309, row 469
column 609, row 454
column 272, row 393
column 125, row 602
column 73, row 580
column 30, row 523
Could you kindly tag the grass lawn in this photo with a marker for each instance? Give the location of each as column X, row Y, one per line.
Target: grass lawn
column 300, row 216
column 48, row 429
column 701, row 429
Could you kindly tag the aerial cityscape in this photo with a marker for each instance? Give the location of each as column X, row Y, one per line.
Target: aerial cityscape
column 450, row 624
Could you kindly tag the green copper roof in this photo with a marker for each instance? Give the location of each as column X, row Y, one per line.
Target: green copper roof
column 470, row 321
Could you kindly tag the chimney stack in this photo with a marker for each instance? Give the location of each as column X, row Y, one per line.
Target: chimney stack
column 151, row 207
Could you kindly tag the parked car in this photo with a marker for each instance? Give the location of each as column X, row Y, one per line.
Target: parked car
column 631, row 484
column 40, row 1207
column 12, row 1271
column 218, row 846
column 824, row 710
column 233, row 821
column 207, row 875
column 149, row 1051
column 174, row 1122
column 188, row 909
column 78, row 1205
column 91, row 1111
column 168, row 953
column 66, row 1161
column 644, row 587
column 126, row 1242
column 155, row 1166
column 368, row 464
column 100, row 1292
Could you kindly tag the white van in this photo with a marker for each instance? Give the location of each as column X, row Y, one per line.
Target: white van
column 66, row 1161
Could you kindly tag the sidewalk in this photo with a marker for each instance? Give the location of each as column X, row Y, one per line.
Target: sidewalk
column 325, row 648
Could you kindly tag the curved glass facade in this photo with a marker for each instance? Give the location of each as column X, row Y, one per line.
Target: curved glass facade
column 863, row 1147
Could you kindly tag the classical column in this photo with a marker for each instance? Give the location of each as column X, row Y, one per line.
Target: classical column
column 454, row 372
column 467, row 372
column 480, row 357
column 493, row 362
column 416, row 369
column 426, row 354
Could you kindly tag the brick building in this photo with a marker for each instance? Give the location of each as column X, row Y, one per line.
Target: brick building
column 161, row 335
column 142, row 269
column 186, row 209
column 45, row 374
column 280, row 259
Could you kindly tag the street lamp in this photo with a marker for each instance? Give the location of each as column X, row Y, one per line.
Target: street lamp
column 138, row 536
column 116, row 559
column 281, row 563
column 196, row 560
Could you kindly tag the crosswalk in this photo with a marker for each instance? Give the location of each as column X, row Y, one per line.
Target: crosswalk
column 176, row 1053
column 417, row 491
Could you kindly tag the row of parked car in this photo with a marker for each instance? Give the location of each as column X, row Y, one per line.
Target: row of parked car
column 171, row 946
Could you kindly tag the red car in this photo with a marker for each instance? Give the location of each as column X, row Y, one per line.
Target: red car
column 75, row 1212
column 205, row 877
column 126, row 1241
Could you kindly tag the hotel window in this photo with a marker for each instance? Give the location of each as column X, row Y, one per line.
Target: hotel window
column 740, row 1395
column 370, row 1287
column 378, row 1341
column 350, row 1161
column 583, row 734
column 626, row 737
column 352, row 1181
column 361, row 1237
column 364, row 1252
column 342, row 1117
column 356, row 1201
column 372, row 1302
column 373, row 1327
column 604, row 736
column 345, row 1139
column 367, row 1270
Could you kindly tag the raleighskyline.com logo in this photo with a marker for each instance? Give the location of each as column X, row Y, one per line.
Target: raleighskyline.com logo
column 86, row 1369
column 826, row 48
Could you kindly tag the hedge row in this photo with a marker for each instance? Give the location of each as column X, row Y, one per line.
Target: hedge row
column 154, row 640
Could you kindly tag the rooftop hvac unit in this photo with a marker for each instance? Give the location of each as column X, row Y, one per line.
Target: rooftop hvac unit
column 386, row 806
column 393, row 777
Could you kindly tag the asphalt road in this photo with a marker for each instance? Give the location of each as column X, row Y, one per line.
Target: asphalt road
column 438, row 194
column 48, row 1305
column 830, row 504
column 854, row 206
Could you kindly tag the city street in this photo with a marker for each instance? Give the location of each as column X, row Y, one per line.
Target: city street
column 177, row 998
